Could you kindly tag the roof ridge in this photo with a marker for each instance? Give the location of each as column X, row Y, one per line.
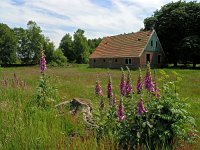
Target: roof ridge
column 128, row 33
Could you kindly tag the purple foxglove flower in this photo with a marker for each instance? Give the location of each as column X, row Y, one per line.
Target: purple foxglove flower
column 148, row 82
column 139, row 83
column 128, row 86
column 120, row 112
column 122, row 85
column 98, row 89
column 109, row 88
column 43, row 66
column 140, row 107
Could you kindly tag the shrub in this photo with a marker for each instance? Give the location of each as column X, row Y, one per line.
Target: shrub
column 58, row 58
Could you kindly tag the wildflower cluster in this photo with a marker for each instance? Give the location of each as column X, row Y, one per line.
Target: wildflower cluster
column 14, row 82
column 120, row 112
column 145, row 119
column 148, row 83
column 129, row 89
column 122, row 84
column 98, row 89
column 43, row 66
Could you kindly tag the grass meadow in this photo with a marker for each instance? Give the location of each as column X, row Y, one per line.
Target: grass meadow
column 23, row 127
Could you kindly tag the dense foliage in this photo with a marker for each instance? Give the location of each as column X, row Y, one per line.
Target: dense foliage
column 178, row 27
column 29, row 42
column 78, row 49
column 22, row 46
column 58, row 58
column 8, row 44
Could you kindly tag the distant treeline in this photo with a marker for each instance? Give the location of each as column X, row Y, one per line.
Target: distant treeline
column 23, row 46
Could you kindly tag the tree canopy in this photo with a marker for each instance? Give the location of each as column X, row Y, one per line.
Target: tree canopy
column 79, row 48
column 66, row 44
column 174, row 23
column 8, row 45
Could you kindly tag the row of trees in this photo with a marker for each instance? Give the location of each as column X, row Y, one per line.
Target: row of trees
column 23, row 46
column 178, row 28
column 78, row 49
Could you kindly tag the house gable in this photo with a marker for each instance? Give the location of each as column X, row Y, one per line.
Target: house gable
column 153, row 44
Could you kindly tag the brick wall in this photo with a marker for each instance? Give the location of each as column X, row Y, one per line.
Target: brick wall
column 153, row 59
column 113, row 62
column 135, row 62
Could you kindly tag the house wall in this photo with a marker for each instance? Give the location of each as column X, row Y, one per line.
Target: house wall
column 113, row 62
column 154, row 50
column 153, row 59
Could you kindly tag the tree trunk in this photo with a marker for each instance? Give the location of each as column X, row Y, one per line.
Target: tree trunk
column 194, row 65
column 175, row 63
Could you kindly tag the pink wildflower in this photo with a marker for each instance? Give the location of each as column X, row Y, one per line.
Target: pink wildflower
column 109, row 88
column 122, row 84
column 128, row 87
column 120, row 112
column 43, row 66
column 148, row 83
column 140, row 107
column 98, row 89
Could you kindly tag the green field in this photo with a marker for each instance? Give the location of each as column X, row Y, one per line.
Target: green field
column 22, row 127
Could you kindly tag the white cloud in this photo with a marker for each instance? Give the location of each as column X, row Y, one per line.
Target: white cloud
column 58, row 17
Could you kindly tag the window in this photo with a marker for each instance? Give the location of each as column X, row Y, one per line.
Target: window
column 104, row 60
column 156, row 44
column 151, row 43
column 147, row 58
column 94, row 60
column 159, row 59
column 128, row 61
column 115, row 60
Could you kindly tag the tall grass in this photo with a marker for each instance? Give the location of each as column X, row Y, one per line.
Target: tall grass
column 25, row 127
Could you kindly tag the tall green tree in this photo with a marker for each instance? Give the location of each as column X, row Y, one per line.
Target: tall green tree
column 149, row 23
column 66, row 45
column 190, row 47
column 8, row 45
column 80, row 47
column 29, row 43
column 58, row 58
column 49, row 49
column 34, row 42
column 22, row 47
column 93, row 43
column 174, row 22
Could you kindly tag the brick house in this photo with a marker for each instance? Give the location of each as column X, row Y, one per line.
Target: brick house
column 133, row 50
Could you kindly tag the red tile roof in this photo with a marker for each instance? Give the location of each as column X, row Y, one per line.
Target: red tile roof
column 124, row 45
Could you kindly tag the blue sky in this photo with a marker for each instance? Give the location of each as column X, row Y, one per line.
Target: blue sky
column 98, row 18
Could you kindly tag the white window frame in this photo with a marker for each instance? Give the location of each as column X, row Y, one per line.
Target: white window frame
column 129, row 60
